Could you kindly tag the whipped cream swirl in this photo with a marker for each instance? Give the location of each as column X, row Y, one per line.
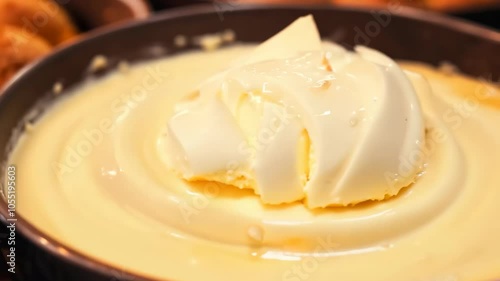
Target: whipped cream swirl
column 301, row 120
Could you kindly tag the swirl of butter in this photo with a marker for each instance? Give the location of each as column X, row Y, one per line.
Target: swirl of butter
column 293, row 124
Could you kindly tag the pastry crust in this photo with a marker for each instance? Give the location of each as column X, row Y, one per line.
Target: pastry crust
column 17, row 49
column 44, row 18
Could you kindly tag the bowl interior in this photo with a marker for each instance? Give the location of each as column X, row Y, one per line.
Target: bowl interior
column 399, row 32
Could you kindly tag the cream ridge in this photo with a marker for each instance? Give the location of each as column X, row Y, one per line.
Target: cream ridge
column 301, row 121
column 93, row 175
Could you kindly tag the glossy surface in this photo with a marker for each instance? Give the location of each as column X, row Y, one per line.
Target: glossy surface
column 298, row 121
column 106, row 175
column 133, row 42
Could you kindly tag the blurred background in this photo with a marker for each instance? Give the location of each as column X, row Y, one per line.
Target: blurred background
column 31, row 29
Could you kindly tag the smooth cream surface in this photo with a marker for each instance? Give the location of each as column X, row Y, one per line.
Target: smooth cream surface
column 91, row 176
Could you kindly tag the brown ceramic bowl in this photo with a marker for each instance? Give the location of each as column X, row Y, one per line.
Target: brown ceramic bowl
column 409, row 34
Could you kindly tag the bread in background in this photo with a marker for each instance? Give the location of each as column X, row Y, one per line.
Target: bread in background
column 44, row 18
column 17, row 49
column 92, row 14
column 311, row 2
column 439, row 5
column 451, row 5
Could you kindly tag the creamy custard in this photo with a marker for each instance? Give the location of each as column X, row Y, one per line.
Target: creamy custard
column 90, row 175
column 303, row 121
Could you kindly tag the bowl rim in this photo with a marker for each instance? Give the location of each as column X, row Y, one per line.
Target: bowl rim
column 79, row 259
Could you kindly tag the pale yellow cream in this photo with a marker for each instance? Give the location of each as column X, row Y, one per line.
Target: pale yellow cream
column 90, row 176
column 321, row 125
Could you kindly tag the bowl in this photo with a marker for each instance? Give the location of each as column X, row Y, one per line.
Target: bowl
column 400, row 32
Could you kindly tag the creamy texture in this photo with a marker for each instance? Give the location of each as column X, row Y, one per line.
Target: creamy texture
column 295, row 120
column 91, row 175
